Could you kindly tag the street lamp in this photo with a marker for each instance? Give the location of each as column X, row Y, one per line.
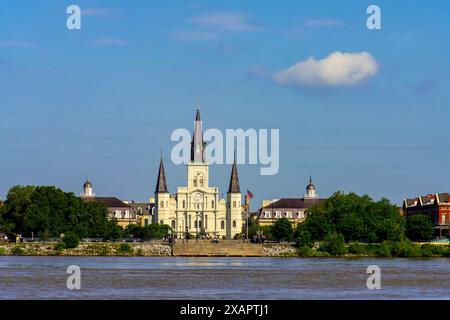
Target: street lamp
column 197, row 214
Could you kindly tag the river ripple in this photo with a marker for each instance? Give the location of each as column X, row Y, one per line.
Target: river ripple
column 222, row 278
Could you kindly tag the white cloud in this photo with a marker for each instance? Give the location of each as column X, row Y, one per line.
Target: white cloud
column 194, row 36
column 16, row 44
column 225, row 21
column 337, row 69
column 108, row 42
column 319, row 23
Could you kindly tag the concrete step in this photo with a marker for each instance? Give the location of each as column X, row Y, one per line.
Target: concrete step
column 222, row 249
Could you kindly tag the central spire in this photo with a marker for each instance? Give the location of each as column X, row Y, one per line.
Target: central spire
column 197, row 145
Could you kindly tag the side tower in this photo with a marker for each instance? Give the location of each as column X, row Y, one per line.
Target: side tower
column 162, row 198
column 234, row 205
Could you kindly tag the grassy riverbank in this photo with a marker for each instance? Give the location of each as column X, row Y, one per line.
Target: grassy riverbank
column 387, row 249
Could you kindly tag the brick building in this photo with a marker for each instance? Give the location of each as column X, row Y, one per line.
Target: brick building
column 436, row 206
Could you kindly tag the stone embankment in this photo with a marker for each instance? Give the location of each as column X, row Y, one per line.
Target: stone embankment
column 201, row 248
column 86, row 249
column 279, row 250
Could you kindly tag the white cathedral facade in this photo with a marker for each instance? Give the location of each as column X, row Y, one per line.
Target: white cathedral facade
column 197, row 208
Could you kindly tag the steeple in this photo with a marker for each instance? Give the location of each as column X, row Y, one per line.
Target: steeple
column 310, row 190
column 161, row 185
column 88, row 190
column 197, row 145
column 234, row 180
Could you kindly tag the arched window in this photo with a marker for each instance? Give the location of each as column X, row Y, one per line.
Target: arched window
column 212, row 204
column 234, row 224
column 234, row 204
column 222, row 225
column 139, row 210
column 201, row 182
column 161, row 222
column 195, row 182
column 184, row 204
column 173, row 224
column 161, row 204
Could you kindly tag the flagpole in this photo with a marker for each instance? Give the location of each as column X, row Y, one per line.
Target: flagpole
column 248, row 208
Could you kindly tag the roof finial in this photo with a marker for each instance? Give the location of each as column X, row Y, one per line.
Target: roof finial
column 310, row 179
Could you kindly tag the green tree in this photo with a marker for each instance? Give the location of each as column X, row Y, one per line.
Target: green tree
column 356, row 218
column 334, row 244
column 17, row 200
column 48, row 211
column 304, row 239
column 282, row 229
column 419, row 227
column 71, row 240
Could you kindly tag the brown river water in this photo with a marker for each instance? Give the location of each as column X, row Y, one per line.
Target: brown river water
column 222, row 278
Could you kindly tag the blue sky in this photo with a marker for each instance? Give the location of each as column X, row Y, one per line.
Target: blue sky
column 100, row 102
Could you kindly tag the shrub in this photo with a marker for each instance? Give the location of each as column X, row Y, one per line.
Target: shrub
column 384, row 250
column 140, row 252
column 405, row 249
column 429, row 250
column 334, row 244
column 104, row 251
column 60, row 246
column 358, row 248
column 446, row 253
column 2, row 251
column 125, row 248
column 17, row 251
column 426, row 251
column 437, row 249
column 320, row 254
column 305, row 251
column 71, row 240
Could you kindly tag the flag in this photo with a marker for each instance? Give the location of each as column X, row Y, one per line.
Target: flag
column 249, row 194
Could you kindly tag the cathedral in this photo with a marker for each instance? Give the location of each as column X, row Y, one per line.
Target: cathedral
column 196, row 209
